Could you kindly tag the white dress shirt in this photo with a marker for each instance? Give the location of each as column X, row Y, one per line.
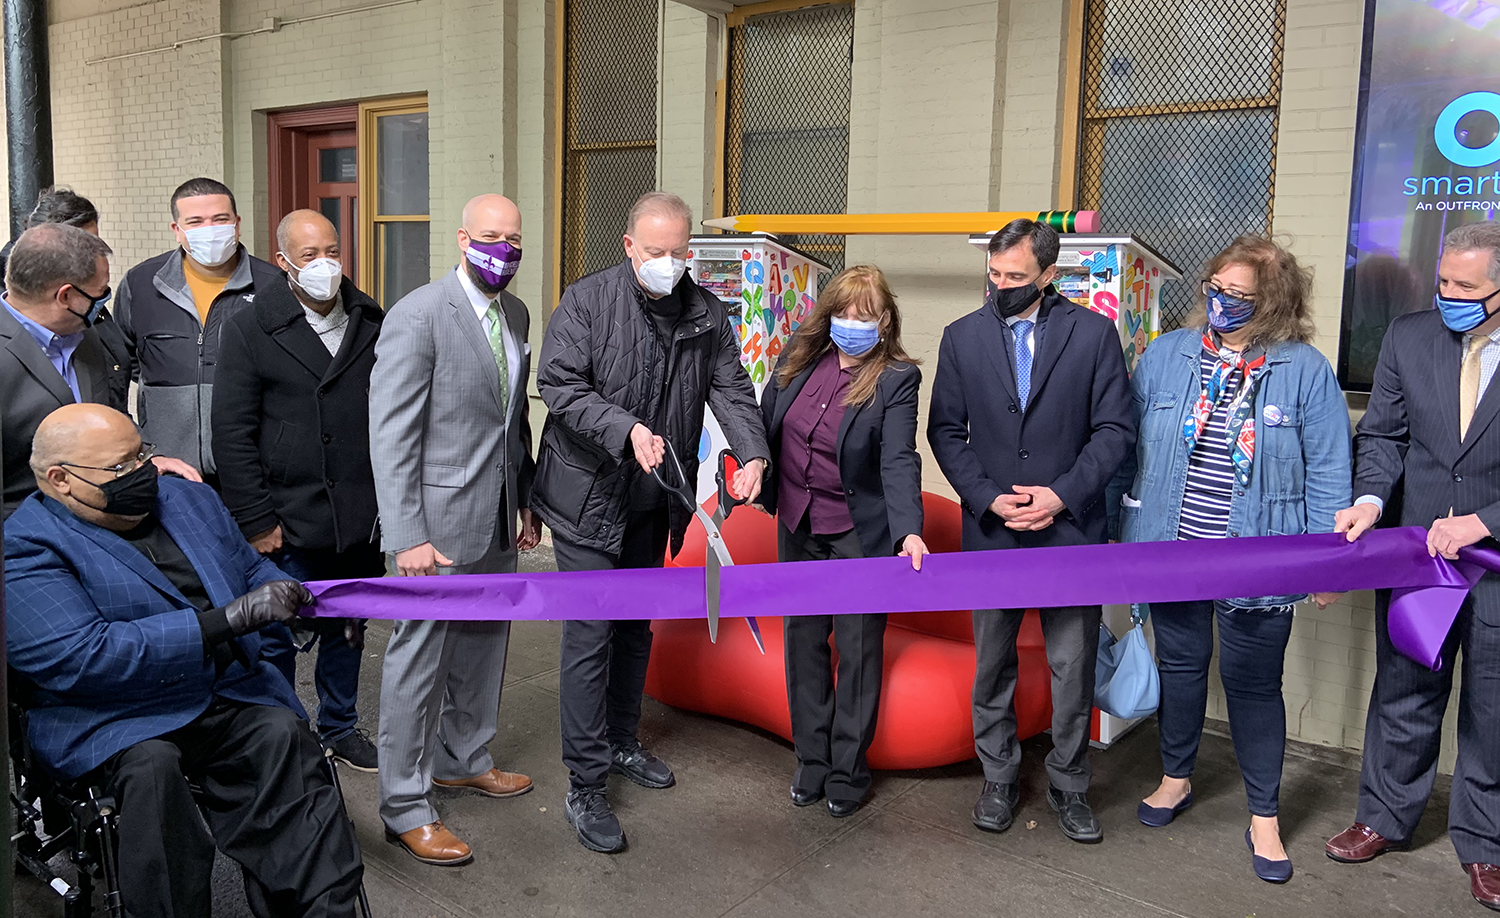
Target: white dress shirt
column 481, row 304
column 1030, row 332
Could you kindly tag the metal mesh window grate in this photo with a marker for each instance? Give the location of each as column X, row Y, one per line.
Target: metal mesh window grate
column 787, row 124
column 1178, row 145
column 609, row 119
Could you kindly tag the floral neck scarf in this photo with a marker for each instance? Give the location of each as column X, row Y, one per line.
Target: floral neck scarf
column 1241, row 424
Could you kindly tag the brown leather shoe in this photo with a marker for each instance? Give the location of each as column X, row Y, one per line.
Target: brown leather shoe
column 493, row 783
column 433, row 844
column 1484, row 883
column 1360, row 843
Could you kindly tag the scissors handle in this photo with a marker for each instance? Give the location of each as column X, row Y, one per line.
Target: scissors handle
column 729, row 466
column 678, row 485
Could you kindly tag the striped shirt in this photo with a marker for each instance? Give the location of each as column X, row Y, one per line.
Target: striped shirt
column 1210, row 473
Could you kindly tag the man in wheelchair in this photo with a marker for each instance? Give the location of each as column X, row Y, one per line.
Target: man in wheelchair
column 133, row 606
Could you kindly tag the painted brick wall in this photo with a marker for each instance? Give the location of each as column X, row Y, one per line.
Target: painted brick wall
column 1330, row 662
column 685, row 138
column 127, row 132
column 923, row 120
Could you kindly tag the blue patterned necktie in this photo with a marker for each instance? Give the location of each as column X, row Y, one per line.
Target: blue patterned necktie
column 1023, row 360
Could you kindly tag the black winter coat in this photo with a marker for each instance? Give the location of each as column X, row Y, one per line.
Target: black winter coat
column 291, row 424
column 878, row 461
column 595, row 376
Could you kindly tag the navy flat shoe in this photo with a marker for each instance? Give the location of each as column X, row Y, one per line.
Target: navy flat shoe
column 1265, row 868
column 1158, row 816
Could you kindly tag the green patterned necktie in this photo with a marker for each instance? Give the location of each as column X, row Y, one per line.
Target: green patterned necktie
column 497, row 345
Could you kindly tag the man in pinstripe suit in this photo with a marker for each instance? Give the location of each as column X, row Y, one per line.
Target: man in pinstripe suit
column 450, row 445
column 1431, row 430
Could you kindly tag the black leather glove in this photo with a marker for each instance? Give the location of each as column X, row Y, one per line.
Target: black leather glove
column 277, row 601
column 354, row 632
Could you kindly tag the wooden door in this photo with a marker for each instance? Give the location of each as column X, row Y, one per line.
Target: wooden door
column 314, row 164
column 333, row 188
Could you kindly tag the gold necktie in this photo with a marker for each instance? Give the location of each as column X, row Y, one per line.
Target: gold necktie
column 1468, row 383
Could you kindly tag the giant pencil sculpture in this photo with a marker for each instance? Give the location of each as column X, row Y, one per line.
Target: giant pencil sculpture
column 1064, row 221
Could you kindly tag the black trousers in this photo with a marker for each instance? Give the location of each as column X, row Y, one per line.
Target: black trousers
column 1072, row 635
column 1404, row 728
column 832, row 726
column 268, row 804
column 604, row 663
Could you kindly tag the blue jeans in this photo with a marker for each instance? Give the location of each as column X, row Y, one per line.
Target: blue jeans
column 336, row 674
column 1252, row 651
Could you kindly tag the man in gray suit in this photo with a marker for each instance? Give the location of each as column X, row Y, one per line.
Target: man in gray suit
column 1432, row 436
column 50, row 352
column 450, row 445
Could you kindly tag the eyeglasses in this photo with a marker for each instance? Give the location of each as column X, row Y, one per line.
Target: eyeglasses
column 147, row 453
column 1211, row 289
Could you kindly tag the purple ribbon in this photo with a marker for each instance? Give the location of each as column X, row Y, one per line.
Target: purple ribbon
column 1428, row 592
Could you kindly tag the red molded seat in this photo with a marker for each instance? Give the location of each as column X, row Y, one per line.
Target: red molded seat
column 925, row 709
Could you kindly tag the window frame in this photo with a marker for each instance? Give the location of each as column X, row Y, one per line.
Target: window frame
column 729, row 89
column 371, row 260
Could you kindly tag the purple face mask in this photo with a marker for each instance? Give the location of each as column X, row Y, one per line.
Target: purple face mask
column 494, row 262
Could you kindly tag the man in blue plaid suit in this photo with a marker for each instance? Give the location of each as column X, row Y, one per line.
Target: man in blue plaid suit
column 133, row 606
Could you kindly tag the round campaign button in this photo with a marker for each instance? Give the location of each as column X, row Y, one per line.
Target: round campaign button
column 1273, row 416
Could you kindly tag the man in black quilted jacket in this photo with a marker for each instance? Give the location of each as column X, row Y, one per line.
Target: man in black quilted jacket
column 632, row 355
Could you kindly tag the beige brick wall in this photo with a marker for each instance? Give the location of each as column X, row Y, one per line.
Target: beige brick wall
column 956, row 105
column 127, row 132
column 685, row 155
column 924, row 114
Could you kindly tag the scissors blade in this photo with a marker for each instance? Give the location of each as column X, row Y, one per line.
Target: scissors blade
column 755, row 633
column 717, row 557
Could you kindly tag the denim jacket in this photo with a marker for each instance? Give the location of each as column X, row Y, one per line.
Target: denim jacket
column 1301, row 474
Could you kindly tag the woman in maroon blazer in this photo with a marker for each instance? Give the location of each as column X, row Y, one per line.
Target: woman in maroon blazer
column 841, row 411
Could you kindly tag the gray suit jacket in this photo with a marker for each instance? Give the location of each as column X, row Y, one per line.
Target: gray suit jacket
column 451, row 463
column 34, row 389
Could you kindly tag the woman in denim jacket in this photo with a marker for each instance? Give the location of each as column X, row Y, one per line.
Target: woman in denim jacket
column 1243, row 432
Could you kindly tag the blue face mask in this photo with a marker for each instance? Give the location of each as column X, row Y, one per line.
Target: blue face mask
column 1226, row 312
column 1463, row 315
column 854, row 337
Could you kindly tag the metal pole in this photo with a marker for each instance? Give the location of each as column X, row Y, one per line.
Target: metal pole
column 28, row 107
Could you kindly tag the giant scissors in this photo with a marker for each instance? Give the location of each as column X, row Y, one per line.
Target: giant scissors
column 675, row 483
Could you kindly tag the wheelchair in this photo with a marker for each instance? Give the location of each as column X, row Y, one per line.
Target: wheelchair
column 55, row 817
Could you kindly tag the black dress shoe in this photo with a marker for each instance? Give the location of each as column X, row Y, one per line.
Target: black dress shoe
column 802, row 797
column 996, row 808
column 1075, row 816
column 841, row 808
column 640, row 766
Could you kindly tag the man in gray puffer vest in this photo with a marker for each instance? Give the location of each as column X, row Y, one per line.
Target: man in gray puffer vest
column 172, row 308
column 631, row 356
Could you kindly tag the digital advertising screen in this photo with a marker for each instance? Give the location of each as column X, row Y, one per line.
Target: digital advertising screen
column 1427, row 159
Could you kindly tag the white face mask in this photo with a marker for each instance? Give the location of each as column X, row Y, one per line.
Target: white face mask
column 213, row 245
column 319, row 278
column 660, row 275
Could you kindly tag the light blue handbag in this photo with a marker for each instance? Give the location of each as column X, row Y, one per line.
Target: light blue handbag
column 1126, row 683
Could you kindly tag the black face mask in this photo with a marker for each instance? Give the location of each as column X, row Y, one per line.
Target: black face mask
column 1010, row 301
column 96, row 306
column 132, row 494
